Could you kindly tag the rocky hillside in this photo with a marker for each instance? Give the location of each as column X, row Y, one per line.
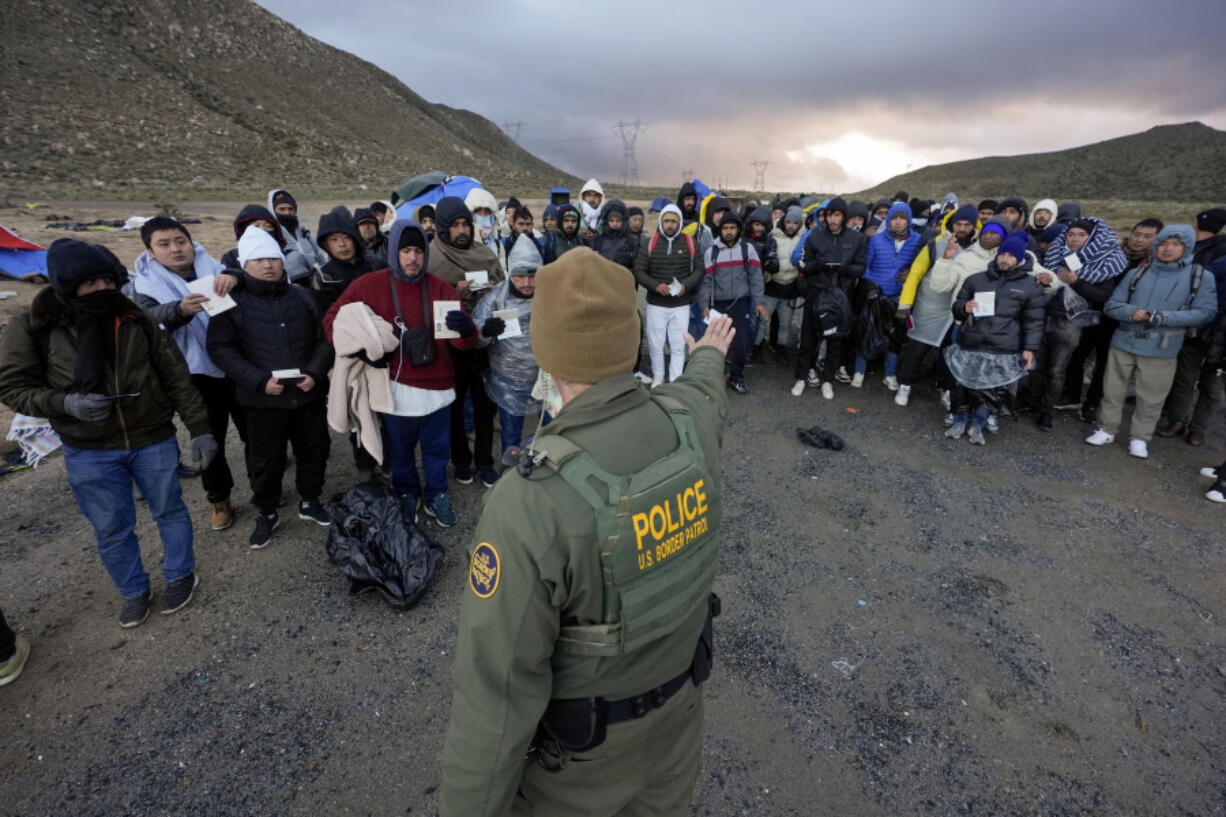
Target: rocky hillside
column 1167, row 163
column 171, row 100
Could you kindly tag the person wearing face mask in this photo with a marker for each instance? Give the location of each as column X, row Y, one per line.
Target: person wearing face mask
column 297, row 237
column 109, row 382
column 423, row 381
column 480, row 203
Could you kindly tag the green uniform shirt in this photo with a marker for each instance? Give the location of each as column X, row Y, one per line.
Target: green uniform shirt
column 538, row 567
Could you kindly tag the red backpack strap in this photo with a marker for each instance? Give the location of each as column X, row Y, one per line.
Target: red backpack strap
column 689, row 243
column 651, row 245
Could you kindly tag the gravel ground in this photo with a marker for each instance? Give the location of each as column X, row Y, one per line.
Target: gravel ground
column 911, row 626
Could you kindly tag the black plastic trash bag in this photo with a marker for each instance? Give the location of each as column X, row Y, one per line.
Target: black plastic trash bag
column 374, row 542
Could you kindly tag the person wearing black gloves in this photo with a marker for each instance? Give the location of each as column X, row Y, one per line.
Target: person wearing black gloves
column 273, row 347
column 91, row 362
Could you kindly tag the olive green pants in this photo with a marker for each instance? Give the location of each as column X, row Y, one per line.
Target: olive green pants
column 1154, row 378
column 646, row 766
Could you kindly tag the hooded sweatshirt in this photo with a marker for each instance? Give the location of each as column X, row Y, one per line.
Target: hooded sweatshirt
column 447, row 261
column 889, row 255
column 664, row 259
column 336, row 275
column 782, row 283
column 1042, row 204
column 766, row 247
column 297, row 269
column 589, row 215
column 158, row 292
column 1163, row 290
column 299, row 239
column 561, row 242
column 688, row 189
column 616, row 245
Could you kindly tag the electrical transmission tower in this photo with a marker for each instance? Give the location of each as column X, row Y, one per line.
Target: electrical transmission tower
column 629, row 133
column 759, row 169
column 687, row 175
column 508, row 127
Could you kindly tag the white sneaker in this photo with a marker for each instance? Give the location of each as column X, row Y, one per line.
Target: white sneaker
column 798, row 388
column 1214, row 495
column 1209, row 471
column 891, row 382
column 828, row 391
column 813, row 379
column 903, row 396
column 945, row 399
column 1100, row 437
column 1138, row 448
column 857, row 380
column 642, row 378
column 657, row 381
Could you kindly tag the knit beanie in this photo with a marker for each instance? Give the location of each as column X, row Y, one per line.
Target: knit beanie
column 283, row 197
column 1211, row 221
column 585, row 322
column 1053, row 232
column 363, row 215
column 966, row 212
column 1015, row 245
column 837, row 203
column 71, row 263
column 795, row 215
column 634, row 211
column 255, row 244
column 996, row 224
column 525, row 258
column 411, row 238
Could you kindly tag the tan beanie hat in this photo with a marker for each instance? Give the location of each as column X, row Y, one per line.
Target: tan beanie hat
column 585, row 320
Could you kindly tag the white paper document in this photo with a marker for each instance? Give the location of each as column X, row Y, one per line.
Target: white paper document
column 441, row 308
column 478, row 280
column 216, row 304
column 674, row 288
column 712, row 314
column 1072, row 262
column 510, row 317
column 287, row 374
column 986, row 304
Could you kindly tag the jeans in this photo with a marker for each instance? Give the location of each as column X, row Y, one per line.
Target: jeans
column 741, row 312
column 1191, row 382
column 220, row 403
column 786, row 311
column 891, row 364
column 468, row 368
column 512, row 428
column 102, row 483
column 433, row 433
column 269, row 429
column 1045, row 384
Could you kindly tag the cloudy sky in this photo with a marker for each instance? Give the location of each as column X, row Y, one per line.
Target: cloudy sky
column 834, row 96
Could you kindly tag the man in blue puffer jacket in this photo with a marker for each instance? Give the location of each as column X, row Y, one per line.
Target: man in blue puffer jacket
column 887, row 263
column 1155, row 307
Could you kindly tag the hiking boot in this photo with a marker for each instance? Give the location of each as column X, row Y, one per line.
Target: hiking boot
column 857, row 380
column 738, row 386
column 891, row 382
column 975, row 435
column 265, row 524
column 179, row 593
column 464, row 474
column 1043, row 421
column 798, row 388
column 828, row 391
column 1195, row 437
column 903, row 396
column 10, row 669
column 1100, row 437
column 440, row 509
column 135, row 610
column 223, row 515
column 312, row 511
column 841, row 376
column 813, row 378
column 1170, row 428
column 488, row 476
column 956, row 428
column 992, row 426
column 1138, row 448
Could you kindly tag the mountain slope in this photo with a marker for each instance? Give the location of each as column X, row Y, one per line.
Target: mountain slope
column 1167, row 163
column 160, row 98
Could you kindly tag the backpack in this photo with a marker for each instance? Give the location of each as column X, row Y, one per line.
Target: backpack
column 690, row 246
column 715, row 256
column 1198, row 275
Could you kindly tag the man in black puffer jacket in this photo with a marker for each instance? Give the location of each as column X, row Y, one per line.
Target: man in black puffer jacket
column 276, row 327
column 347, row 259
column 614, row 241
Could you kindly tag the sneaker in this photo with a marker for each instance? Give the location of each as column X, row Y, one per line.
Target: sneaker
column 223, row 515
column 135, row 610
column 179, row 593
column 415, row 503
column 440, row 509
column 993, row 424
column 1138, row 448
column 488, row 476
column 945, row 399
column 642, row 377
column 903, row 396
column 828, row 391
column 264, row 526
column 1100, row 437
column 464, row 474
column 1215, row 494
column 738, row 386
column 842, row 376
column 656, row 381
column 798, row 388
column 891, row 382
column 949, row 419
column 957, row 428
column 10, row 669
column 813, row 378
column 1043, row 421
column 857, row 381
column 975, row 435
column 1209, row 471
column 1088, row 412
column 312, row 511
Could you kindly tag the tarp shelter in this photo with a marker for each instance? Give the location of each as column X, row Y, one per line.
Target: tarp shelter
column 659, row 203
column 19, row 258
column 559, row 195
column 702, row 190
column 430, row 193
column 417, row 185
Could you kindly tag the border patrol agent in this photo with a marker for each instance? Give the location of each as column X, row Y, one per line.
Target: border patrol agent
column 585, row 629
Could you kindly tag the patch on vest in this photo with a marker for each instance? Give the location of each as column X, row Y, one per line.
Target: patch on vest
column 483, row 573
column 666, row 528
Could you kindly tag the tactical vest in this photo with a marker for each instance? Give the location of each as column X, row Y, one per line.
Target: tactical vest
column 657, row 529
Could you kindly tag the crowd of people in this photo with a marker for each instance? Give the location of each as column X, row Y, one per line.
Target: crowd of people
column 413, row 332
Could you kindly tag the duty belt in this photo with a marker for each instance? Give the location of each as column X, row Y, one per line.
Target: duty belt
column 636, row 707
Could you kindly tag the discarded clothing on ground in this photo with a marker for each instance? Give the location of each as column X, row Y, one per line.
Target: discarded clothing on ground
column 35, row 436
column 820, row 438
column 376, row 544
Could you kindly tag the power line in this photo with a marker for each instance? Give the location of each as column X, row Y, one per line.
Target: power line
column 687, row 175
column 629, row 133
column 759, row 168
column 507, row 127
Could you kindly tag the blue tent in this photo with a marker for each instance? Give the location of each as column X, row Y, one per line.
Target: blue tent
column 703, row 190
column 660, row 203
column 451, row 186
column 20, row 259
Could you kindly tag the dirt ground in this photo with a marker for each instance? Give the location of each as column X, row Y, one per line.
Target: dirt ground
column 911, row 626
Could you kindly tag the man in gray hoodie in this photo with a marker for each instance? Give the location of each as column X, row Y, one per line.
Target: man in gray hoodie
column 733, row 286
